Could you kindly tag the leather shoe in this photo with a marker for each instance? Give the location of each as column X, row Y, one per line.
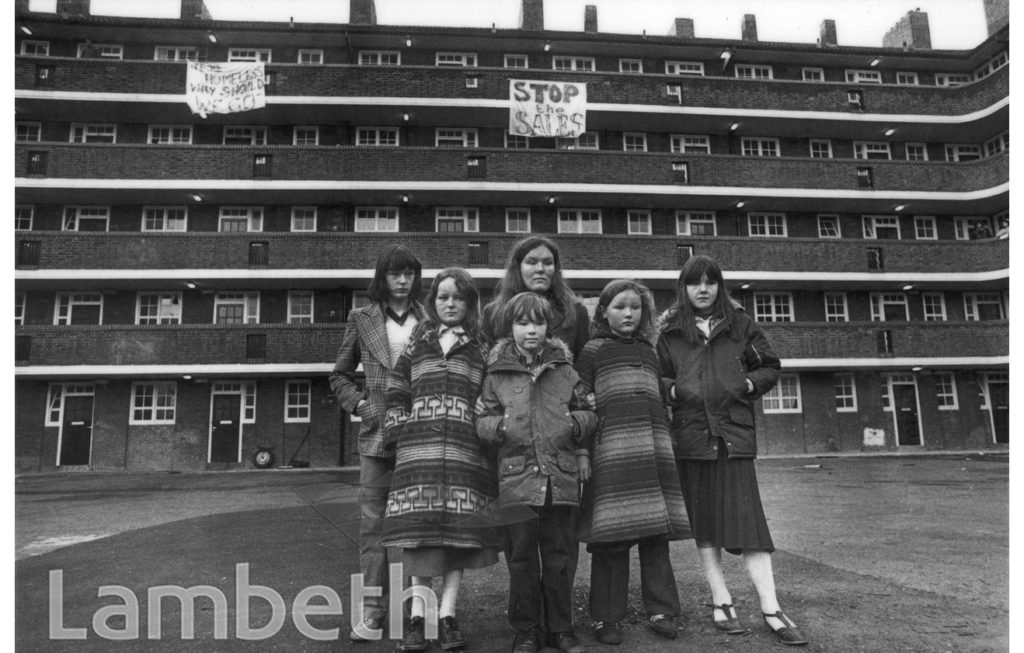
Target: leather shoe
column 730, row 625
column 607, row 632
column 414, row 639
column 663, row 625
column 567, row 642
column 368, row 623
column 451, row 637
column 527, row 641
column 787, row 633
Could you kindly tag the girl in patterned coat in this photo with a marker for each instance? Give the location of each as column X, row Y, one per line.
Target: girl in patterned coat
column 634, row 495
column 443, row 483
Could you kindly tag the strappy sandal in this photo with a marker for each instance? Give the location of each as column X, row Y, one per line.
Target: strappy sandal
column 788, row 633
column 730, row 625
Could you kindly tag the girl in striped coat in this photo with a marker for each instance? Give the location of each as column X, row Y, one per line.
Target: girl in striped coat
column 634, row 495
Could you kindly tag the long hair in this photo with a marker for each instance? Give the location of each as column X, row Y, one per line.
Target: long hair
column 562, row 298
column 527, row 305
column 467, row 287
column 395, row 258
column 599, row 327
column 682, row 315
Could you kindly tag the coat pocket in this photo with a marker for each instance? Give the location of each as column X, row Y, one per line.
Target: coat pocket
column 742, row 414
column 512, row 465
column 567, row 462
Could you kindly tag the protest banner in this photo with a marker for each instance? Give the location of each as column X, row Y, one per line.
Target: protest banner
column 225, row 87
column 545, row 108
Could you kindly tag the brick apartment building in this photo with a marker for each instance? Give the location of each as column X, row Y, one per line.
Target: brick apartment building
column 182, row 281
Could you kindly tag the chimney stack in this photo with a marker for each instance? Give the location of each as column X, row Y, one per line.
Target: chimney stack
column 997, row 15
column 590, row 19
column 911, row 33
column 362, row 12
column 73, row 8
column 828, row 34
column 749, row 30
column 531, row 15
column 682, row 28
column 194, row 10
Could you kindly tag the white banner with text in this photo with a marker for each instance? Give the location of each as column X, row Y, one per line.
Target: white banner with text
column 542, row 108
column 225, row 87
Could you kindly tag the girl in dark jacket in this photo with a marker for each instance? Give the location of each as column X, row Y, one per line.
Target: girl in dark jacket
column 715, row 362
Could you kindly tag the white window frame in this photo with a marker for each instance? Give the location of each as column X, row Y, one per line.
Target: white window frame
column 34, row 48
column 162, row 303
column 580, row 221
column 825, row 153
column 963, row 152
column 298, row 401
column 159, row 406
column 870, row 150
column 381, row 216
column 824, row 230
column 455, row 59
column 300, row 135
column 516, row 141
column 992, row 65
column 767, row 225
column 638, row 222
column 760, row 146
column 1000, row 143
column 514, row 217
column 28, row 132
column 753, row 71
column 634, row 142
column 863, row 76
column 585, row 141
column 933, row 306
column 456, row 137
column 24, row 217
column 810, row 74
column 837, row 307
column 175, row 53
column 169, row 135
column 963, row 224
column 103, row 50
column 973, row 300
column 685, row 221
column 377, row 137
column 303, row 219
column 314, row 57
column 911, row 151
column 784, row 397
column 255, row 134
column 952, row 79
column 469, row 215
column 379, row 58
column 925, row 228
column 253, row 55
column 904, row 78
column 512, row 61
column 73, row 216
column 872, row 223
column 946, row 397
column 631, row 66
column 19, row 308
column 685, row 68
column 164, row 218
column 253, row 216
column 65, row 302
column 565, row 63
column 93, row 133
column 773, row 307
column 691, row 144
column 297, row 299
column 248, row 300
column 880, row 300
column 844, row 386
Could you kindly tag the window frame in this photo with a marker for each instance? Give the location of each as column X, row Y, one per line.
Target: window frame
column 241, row 55
column 65, row 317
column 783, row 393
column 952, row 80
column 880, row 300
column 249, row 300
column 521, row 141
column 643, row 221
column 470, row 216
column 78, row 217
column 686, row 219
column 506, row 58
column 170, row 223
column 367, row 136
column 470, row 137
column 925, row 228
column 629, row 62
column 946, row 396
column 160, row 390
column 310, row 52
column 579, row 218
column 963, row 152
column 996, row 145
column 581, row 142
column 764, row 146
column 838, row 309
column 295, row 218
column 783, row 309
column 293, row 316
column 103, row 50
column 20, row 302
column 973, row 300
column 964, row 225
column 934, row 310
column 907, row 78
column 378, row 218
column 922, row 148
column 823, row 231
column 844, row 385
column 756, row 71
column 634, row 141
column 180, row 53
column 690, row 144
column 578, row 64
column 872, row 223
column 509, row 218
column 159, row 316
column 363, row 57
column 867, row 150
column 253, row 216
column 297, row 129
column 684, row 68
column 768, row 227
column 858, row 76
column 22, row 222
column 812, row 71
column 298, row 402
column 257, row 135
column 827, row 142
column 93, row 132
column 175, row 135
column 23, row 49
column 24, row 129
column 457, row 59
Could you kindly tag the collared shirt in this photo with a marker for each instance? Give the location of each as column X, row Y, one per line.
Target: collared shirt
column 449, row 336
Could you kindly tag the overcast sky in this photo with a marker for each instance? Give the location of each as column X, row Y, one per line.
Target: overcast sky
column 955, row 24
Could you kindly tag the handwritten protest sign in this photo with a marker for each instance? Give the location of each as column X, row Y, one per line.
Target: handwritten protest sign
column 225, row 87
column 547, row 108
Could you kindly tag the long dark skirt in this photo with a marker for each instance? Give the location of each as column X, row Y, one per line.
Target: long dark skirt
column 723, row 503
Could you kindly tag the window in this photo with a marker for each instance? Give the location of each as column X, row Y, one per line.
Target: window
column 836, row 309
column 170, row 134
column 924, row 228
column 687, row 143
column 306, row 135
column 236, row 308
column 517, row 221
column 164, row 218
column 241, row 218
column 934, row 305
column 380, row 58
column 455, row 137
column 784, row 397
column 35, row 48
column 158, row 308
column 175, row 53
column 813, row 74
column 1000, row 143
column 906, row 79
column 745, row 71
column 875, row 259
column 86, row 218
column 311, row 57
column 638, row 222
column 993, row 65
column 245, row 135
column 634, row 66
column 963, row 152
column 303, row 218
column 871, row 150
column 28, row 132
column 516, row 61
column 863, row 77
column 694, row 68
column 377, row 136
column 300, row 307
column 865, row 178
column 889, row 307
column 585, row 141
column 917, row 152
column 695, row 223
column 458, row 59
column 457, row 219
column 153, row 403
column 882, row 227
column 297, row 401
column 634, row 142
column 583, row 64
column 78, row 308
column 23, row 216
column 821, row 148
column 19, row 309
column 945, row 391
column 579, row 221
column 370, row 218
column 516, row 141
column 983, row 306
column 472, row 80
column 828, row 226
column 773, row 307
column 952, row 79
column 760, row 146
column 972, row 228
column 81, row 133
column 855, row 99
column 845, row 393
column 249, row 54
column 767, row 224
column 89, row 50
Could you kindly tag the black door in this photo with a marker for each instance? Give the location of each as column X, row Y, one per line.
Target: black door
column 907, row 427
column 999, row 398
column 76, row 430
column 224, row 432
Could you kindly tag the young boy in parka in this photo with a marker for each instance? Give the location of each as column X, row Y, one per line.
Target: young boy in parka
column 533, row 409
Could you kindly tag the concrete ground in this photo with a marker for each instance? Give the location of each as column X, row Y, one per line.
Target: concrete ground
column 906, row 553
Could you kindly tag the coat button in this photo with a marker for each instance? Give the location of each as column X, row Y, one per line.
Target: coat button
column 536, row 469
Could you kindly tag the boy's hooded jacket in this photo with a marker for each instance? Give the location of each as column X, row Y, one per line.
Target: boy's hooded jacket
column 540, row 424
